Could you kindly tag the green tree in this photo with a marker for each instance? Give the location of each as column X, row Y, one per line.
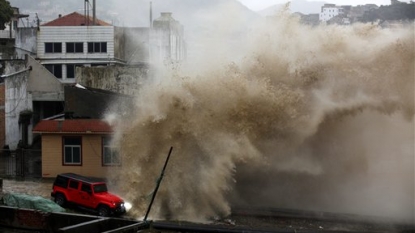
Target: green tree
column 400, row 11
column 6, row 12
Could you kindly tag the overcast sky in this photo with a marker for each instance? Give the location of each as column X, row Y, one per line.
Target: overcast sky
column 257, row 5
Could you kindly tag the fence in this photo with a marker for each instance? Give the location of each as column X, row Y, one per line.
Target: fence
column 21, row 163
column 5, row 34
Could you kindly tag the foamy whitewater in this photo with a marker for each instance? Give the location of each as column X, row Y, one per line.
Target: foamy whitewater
column 318, row 118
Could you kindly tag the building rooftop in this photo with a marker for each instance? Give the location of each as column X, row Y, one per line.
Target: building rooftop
column 75, row 19
column 88, row 126
column 165, row 16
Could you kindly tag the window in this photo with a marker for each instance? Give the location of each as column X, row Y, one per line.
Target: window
column 86, row 188
column 72, row 47
column 72, row 151
column 73, row 184
column 100, row 188
column 53, row 47
column 97, row 47
column 70, row 70
column 109, row 155
column 55, row 70
column 61, row 181
column 99, row 64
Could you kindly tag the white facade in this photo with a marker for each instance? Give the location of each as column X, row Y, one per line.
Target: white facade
column 70, row 35
column 17, row 100
column 23, row 86
column 328, row 12
column 167, row 40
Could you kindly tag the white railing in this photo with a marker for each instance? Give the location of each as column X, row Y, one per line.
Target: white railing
column 6, row 34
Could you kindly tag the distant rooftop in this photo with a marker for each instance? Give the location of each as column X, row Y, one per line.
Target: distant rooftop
column 165, row 16
column 75, row 19
column 73, row 126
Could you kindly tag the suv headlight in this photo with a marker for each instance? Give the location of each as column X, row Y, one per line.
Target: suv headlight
column 127, row 206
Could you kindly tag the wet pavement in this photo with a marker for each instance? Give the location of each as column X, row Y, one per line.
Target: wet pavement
column 40, row 187
column 43, row 188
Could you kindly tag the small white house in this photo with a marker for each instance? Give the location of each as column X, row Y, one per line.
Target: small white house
column 329, row 11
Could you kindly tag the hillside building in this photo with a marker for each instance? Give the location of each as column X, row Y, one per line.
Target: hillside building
column 328, row 11
column 345, row 14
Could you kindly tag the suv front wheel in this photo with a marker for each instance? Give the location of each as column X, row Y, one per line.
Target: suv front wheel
column 60, row 199
column 103, row 211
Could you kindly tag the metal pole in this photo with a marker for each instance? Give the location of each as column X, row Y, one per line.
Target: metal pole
column 94, row 12
column 86, row 11
column 158, row 185
column 151, row 15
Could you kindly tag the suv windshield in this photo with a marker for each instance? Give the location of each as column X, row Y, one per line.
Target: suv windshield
column 100, row 188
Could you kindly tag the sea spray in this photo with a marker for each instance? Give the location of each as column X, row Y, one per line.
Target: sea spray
column 310, row 117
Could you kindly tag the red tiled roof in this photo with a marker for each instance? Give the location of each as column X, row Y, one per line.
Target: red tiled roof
column 73, row 126
column 75, row 19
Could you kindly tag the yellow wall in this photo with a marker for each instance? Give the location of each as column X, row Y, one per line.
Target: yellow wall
column 91, row 156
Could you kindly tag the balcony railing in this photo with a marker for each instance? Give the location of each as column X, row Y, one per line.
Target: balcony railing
column 4, row 34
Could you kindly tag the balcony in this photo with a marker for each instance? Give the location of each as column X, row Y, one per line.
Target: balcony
column 5, row 34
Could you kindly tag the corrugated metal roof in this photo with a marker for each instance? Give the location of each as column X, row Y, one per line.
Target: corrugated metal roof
column 75, row 19
column 73, row 126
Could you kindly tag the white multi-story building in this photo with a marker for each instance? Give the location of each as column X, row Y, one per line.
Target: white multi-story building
column 167, row 39
column 70, row 41
column 328, row 11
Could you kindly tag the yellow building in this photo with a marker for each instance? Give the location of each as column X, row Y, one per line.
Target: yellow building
column 79, row 146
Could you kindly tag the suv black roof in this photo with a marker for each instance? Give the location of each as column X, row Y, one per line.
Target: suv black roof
column 82, row 178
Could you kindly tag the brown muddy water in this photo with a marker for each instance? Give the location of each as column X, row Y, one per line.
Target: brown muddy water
column 318, row 118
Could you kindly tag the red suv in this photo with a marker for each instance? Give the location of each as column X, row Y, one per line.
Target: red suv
column 86, row 192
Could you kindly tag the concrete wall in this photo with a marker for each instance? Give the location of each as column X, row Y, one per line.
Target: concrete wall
column 17, row 100
column 134, row 45
column 26, row 41
column 2, row 116
column 42, row 84
column 164, row 42
column 20, row 92
column 167, row 40
column 91, row 156
column 119, row 41
column 83, row 102
column 119, row 79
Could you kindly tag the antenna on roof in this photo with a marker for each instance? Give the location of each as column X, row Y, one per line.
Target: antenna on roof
column 86, row 12
column 151, row 14
column 37, row 21
column 94, row 15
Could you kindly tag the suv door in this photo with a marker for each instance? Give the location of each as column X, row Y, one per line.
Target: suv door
column 73, row 192
column 86, row 198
